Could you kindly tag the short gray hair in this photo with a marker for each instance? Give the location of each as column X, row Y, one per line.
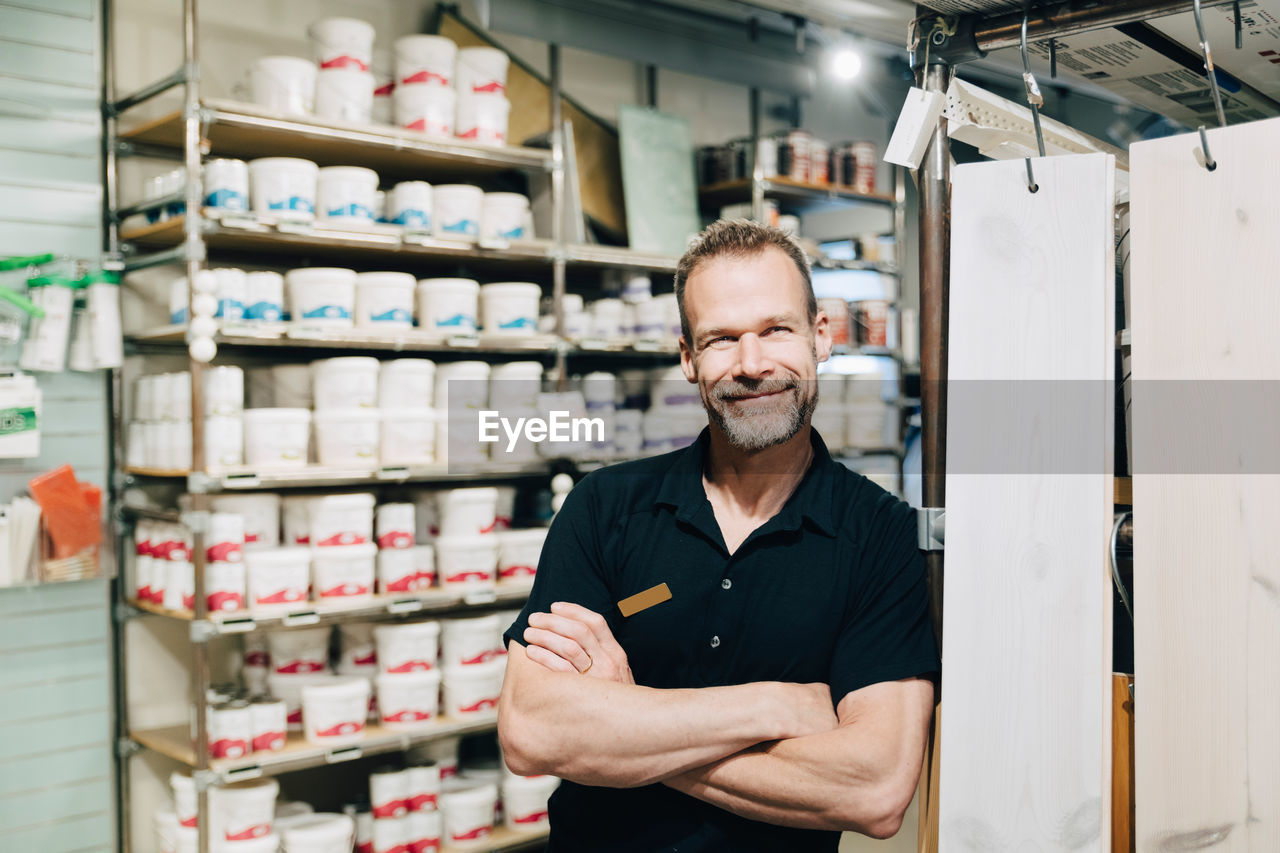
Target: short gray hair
column 736, row 238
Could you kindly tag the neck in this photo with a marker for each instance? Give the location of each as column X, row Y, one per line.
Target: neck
column 756, row 481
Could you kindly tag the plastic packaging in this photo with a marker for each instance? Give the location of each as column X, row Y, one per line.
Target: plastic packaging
column 345, row 194
column 346, row 437
column 334, row 714
column 408, row 647
column 510, row 308
column 345, row 383
column 457, row 211
column 276, row 438
column 284, row 187
column 448, row 305
column 384, row 300
column 283, row 85
column 322, row 296
column 344, row 95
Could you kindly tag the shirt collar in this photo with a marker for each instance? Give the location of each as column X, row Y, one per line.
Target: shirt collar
column 682, row 486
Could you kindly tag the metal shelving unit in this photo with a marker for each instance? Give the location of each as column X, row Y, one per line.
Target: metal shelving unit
column 207, row 126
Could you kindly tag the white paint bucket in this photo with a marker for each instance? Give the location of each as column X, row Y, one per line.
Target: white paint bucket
column 264, row 296
column 393, row 525
column 468, row 815
column 344, row 95
column 406, row 383
column 504, row 509
column 524, row 801
column 384, row 88
column 261, row 514
column 515, row 385
column 345, row 383
column 224, row 586
column 467, row 512
column 343, row 572
column 651, row 320
column 670, row 389
column 357, row 649
column 341, row 43
column 283, row 85
column 384, row 300
column 467, row 562
column 230, row 729
column 337, row 520
column 608, row 318
column 408, row 436
column 321, row 296
column 276, row 438
column 408, row 699
column 167, row 829
column 424, row 787
column 427, row 109
column 505, row 216
column 426, row 829
column 391, row 835
column 334, row 714
column 229, row 290
column 319, row 833
column 397, row 572
column 448, row 305
column 226, row 184
column 457, row 211
column 179, row 585
column 470, row 642
column 295, row 519
column 408, row 647
column 364, row 828
column 278, row 577
column 244, row 811
column 299, row 652
column 270, row 719
column 425, row 59
column 184, row 799
column 284, row 187
column 518, row 553
column 345, row 194
column 223, row 390
column 482, row 70
column 510, row 307
column 224, row 541
column 409, row 204
column 388, row 793
column 483, row 118
column 347, row 436
column 288, row 689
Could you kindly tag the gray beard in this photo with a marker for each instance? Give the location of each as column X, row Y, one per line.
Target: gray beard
column 767, row 427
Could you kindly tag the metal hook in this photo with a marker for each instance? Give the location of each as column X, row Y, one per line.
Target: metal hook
column 1208, row 65
column 1034, row 99
column 1209, row 162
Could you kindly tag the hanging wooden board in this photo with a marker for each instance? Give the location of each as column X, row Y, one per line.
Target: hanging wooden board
column 1026, row 682
column 1206, row 485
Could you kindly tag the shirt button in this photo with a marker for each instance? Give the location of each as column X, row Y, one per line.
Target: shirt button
column 726, row 583
column 715, row 642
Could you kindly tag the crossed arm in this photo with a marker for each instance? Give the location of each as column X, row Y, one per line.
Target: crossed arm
column 768, row 751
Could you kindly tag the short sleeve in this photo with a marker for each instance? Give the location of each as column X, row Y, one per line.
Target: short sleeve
column 571, row 567
column 887, row 633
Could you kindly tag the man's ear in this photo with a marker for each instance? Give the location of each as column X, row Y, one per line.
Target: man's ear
column 686, row 361
column 822, row 336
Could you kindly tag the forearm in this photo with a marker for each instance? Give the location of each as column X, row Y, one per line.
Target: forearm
column 813, row 782
column 622, row 735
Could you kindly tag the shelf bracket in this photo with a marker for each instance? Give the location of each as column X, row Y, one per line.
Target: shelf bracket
column 204, row 779
column 200, row 483
column 931, row 528
column 202, row 630
column 126, row 748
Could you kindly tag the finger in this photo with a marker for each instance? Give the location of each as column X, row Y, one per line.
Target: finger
column 547, row 659
column 567, row 627
column 564, row 647
column 598, row 625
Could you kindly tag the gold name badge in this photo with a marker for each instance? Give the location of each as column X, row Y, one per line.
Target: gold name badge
column 644, row 600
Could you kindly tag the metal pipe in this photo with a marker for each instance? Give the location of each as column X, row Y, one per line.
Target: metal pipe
column 1072, row 17
column 935, row 257
column 147, row 92
column 557, row 214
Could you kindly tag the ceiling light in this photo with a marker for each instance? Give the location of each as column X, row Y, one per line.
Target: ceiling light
column 846, row 64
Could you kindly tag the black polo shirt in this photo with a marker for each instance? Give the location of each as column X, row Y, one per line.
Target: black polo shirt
column 832, row 589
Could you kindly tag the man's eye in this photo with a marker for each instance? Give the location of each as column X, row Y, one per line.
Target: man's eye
column 773, row 329
column 721, row 341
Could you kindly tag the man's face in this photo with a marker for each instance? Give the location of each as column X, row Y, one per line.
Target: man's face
column 754, row 353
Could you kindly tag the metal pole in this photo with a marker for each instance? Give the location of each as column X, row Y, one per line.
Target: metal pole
column 1072, row 17
column 557, row 214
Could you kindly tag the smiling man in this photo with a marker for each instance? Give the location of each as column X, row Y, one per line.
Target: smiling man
column 727, row 648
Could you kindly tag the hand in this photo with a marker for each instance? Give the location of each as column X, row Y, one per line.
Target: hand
column 808, row 709
column 572, row 638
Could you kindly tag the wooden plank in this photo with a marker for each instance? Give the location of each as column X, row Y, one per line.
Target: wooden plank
column 73, row 833
column 21, row 702
column 71, row 728
column 1122, row 802
column 61, row 767
column 48, row 29
column 73, row 68
column 52, row 803
column 1027, row 643
column 1207, row 631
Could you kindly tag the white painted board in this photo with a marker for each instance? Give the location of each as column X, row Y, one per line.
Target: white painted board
column 1027, row 636
column 1206, row 488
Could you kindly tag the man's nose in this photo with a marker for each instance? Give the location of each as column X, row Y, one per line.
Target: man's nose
column 753, row 360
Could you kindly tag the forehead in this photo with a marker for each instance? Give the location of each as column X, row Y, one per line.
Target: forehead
column 738, row 287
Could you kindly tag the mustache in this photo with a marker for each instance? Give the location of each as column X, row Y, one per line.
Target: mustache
column 729, row 388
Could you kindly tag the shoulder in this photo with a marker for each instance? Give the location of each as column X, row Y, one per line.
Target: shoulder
column 624, row 487
column 867, row 512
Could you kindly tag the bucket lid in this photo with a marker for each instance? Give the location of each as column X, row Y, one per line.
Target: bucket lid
column 346, row 362
column 339, row 687
column 507, row 198
column 319, row 828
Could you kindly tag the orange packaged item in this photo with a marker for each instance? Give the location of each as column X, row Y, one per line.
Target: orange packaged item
column 71, row 523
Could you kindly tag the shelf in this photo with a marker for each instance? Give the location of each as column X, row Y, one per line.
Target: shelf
column 245, row 478
column 250, row 234
column 793, row 194
column 823, row 263
column 616, row 257
column 626, row 346
column 504, row 839
column 328, row 613
column 883, row 352
column 298, row 753
column 402, row 340
column 247, row 131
